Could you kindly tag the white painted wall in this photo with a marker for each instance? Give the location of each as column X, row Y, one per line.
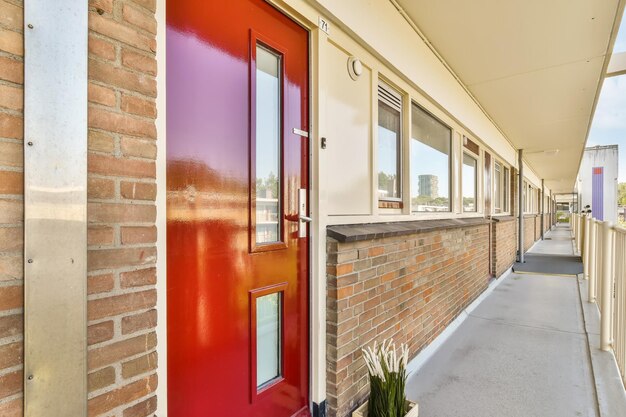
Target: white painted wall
column 600, row 156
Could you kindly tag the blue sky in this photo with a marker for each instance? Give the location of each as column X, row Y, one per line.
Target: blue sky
column 609, row 122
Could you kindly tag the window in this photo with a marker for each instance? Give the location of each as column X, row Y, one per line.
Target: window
column 268, row 138
column 389, row 143
column 525, row 196
column 469, row 182
column 505, row 190
column 268, row 360
column 497, row 187
column 430, row 162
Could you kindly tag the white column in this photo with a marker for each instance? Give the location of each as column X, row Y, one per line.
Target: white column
column 591, row 257
column 586, row 226
column 607, row 286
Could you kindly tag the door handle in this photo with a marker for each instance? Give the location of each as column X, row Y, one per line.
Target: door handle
column 303, row 219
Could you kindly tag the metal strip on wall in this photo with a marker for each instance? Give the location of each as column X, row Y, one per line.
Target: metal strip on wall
column 55, row 208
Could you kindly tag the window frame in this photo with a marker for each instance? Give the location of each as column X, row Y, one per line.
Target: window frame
column 258, row 40
column 498, row 170
column 506, row 189
column 476, row 158
column 399, row 106
column 451, row 158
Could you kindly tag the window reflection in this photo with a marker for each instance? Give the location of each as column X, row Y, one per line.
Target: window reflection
column 497, row 187
column 268, row 338
column 388, row 152
column 505, row 192
column 268, row 136
column 430, row 162
column 469, row 182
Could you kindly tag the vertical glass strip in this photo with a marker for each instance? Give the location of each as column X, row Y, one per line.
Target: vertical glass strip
column 268, row 134
column 388, row 152
column 469, row 182
column 268, row 350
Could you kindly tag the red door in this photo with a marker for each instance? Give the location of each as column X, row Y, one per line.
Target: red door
column 237, row 245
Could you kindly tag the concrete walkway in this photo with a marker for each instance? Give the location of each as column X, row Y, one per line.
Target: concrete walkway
column 558, row 241
column 522, row 352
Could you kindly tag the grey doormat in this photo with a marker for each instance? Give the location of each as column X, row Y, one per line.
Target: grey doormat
column 549, row 264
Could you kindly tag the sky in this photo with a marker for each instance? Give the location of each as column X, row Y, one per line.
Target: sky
column 609, row 122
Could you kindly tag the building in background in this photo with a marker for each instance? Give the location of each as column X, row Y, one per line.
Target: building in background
column 597, row 182
column 429, row 185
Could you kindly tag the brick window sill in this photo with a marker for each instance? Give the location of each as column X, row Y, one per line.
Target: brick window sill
column 368, row 231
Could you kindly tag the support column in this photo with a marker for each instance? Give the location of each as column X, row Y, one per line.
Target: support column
column 520, row 206
column 55, row 208
column 585, row 246
column 543, row 203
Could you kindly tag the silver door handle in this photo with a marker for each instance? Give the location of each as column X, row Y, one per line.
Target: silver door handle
column 303, row 219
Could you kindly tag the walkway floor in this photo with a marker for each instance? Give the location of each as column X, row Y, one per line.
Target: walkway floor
column 521, row 352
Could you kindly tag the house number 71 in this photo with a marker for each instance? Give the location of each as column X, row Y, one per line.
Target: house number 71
column 323, row 25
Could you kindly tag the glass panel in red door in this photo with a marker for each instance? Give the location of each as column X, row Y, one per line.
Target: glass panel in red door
column 237, row 281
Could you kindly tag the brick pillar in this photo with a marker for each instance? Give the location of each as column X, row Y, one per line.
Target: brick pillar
column 121, row 211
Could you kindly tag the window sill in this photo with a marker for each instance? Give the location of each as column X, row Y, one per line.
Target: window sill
column 369, row 231
column 503, row 218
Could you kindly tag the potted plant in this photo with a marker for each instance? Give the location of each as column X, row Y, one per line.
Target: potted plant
column 387, row 372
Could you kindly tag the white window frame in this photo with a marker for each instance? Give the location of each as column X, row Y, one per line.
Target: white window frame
column 451, row 160
column 477, row 158
column 506, row 191
column 392, row 97
column 497, row 197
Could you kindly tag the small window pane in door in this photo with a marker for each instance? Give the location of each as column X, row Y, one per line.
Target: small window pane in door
column 268, row 135
column 268, row 312
column 469, row 182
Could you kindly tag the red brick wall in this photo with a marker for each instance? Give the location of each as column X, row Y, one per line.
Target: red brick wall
column 121, row 210
column 409, row 288
column 11, row 207
column 504, row 244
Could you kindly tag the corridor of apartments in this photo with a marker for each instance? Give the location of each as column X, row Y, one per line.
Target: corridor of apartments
column 522, row 352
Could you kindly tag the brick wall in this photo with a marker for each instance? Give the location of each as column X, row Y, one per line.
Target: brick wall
column 121, row 209
column 504, row 244
column 538, row 227
column 409, row 288
column 11, row 207
column 529, row 231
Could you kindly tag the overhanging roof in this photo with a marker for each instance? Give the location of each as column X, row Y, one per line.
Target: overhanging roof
column 535, row 66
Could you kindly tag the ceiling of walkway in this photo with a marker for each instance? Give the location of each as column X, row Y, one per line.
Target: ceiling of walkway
column 535, row 66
